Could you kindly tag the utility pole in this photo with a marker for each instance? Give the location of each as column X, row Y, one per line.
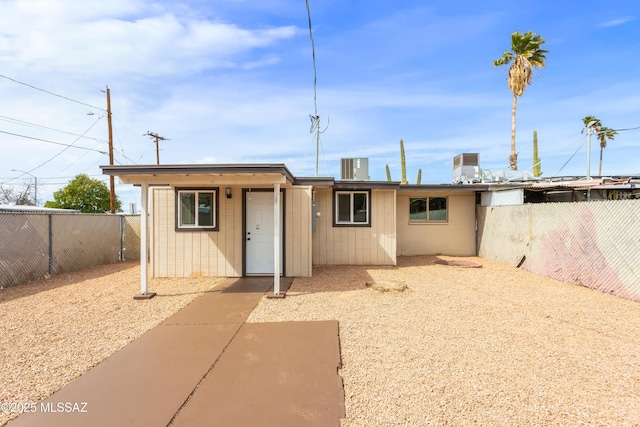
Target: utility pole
column 112, row 189
column 157, row 138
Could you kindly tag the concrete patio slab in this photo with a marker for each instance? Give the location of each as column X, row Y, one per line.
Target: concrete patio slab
column 275, row 374
column 149, row 381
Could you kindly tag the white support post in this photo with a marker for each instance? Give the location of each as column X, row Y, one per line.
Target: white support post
column 144, row 214
column 144, row 267
column 276, row 238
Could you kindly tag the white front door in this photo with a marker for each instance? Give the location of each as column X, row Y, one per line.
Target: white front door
column 259, row 232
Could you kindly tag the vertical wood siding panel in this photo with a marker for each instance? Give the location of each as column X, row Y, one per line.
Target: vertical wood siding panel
column 307, row 232
column 223, row 266
column 229, row 228
column 238, row 236
column 169, row 208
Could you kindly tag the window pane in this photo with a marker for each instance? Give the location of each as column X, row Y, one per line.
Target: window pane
column 344, row 208
column 437, row 208
column 359, row 207
column 418, row 209
column 188, row 212
column 205, row 209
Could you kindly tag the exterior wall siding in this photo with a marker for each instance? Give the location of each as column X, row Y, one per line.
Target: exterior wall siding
column 196, row 253
column 374, row 245
column 456, row 237
column 219, row 253
column 298, row 224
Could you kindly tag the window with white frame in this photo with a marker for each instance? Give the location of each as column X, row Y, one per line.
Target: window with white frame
column 352, row 208
column 428, row 209
column 197, row 209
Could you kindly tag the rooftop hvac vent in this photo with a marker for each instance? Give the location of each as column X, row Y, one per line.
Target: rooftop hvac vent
column 466, row 168
column 466, row 159
column 354, row 169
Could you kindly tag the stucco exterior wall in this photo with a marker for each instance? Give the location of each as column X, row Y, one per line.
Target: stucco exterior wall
column 456, row 236
column 374, row 245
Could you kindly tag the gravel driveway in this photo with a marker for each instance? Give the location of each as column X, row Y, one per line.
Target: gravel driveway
column 461, row 346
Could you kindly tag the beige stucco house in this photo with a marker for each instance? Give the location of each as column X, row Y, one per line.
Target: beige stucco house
column 259, row 219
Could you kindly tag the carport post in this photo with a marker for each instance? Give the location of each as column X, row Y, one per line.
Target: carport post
column 276, row 238
column 144, row 267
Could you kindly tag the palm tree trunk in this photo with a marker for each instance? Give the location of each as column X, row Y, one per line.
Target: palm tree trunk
column 600, row 167
column 513, row 158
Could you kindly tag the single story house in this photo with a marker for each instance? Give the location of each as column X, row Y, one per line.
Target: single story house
column 240, row 220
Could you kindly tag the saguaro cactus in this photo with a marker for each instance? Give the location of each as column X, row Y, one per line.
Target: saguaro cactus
column 403, row 163
column 419, row 176
column 536, row 160
column 388, row 172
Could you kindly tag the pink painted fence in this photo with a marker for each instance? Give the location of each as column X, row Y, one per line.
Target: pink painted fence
column 594, row 244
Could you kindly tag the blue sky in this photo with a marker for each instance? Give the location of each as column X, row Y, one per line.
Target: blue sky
column 232, row 82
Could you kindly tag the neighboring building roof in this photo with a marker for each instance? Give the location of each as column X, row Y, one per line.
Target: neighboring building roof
column 600, row 183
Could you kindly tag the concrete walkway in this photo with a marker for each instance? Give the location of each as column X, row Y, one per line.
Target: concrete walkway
column 205, row 366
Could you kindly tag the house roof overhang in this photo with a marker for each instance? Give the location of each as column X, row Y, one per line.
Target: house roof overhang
column 191, row 174
column 445, row 187
column 365, row 185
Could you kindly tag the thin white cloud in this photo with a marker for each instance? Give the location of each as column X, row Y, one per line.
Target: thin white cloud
column 616, row 22
column 131, row 39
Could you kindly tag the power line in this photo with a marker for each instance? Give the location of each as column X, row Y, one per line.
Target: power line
column 51, row 93
column 52, row 142
column 157, row 138
column 315, row 118
column 35, row 125
column 619, row 130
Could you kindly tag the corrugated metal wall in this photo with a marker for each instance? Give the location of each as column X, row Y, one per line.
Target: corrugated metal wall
column 594, row 244
column 33, row 246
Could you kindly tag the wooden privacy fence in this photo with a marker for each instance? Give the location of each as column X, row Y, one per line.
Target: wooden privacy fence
column 37, row 245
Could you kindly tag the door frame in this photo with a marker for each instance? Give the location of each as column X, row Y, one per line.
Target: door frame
column 283, row 251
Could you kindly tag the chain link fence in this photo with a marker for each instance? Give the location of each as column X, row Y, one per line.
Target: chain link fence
column 594, row 244
column 37, row 245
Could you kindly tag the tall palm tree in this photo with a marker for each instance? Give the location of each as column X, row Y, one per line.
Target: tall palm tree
column 604, row 133
column 526, row 54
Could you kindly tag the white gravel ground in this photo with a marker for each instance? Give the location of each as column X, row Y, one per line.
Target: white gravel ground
column 51, row 331
column 494, row 346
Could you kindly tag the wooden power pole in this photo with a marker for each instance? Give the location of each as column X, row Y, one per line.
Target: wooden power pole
column 157, row 138
column 112, row 189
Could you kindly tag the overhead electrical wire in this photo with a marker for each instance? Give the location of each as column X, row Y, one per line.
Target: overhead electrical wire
column 52, row 93
column 315, row 75
column 315, row 118
column 35, row 125
column 52, row 142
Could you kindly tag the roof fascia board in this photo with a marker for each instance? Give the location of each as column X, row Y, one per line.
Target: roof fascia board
column 158, row 173
column 365, row 185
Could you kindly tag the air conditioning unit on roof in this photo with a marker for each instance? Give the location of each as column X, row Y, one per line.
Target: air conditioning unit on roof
column 354, row 169
column 466, row 169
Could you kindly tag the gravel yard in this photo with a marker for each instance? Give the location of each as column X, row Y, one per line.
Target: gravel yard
column 53, row 330
column 473, row 346
column 461, row 346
